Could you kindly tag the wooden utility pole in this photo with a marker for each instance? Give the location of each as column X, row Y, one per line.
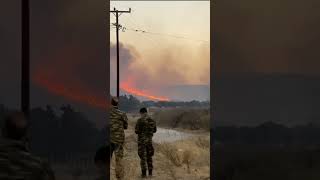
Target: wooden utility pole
column 25, row 57
column 117, row 13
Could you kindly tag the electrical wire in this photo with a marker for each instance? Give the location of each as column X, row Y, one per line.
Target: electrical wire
column 145, row 32
column 161, row 34
column 164, row 34
column 133, row 21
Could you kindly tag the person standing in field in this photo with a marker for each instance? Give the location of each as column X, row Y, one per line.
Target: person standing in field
column 118, row 123
column 145, row 128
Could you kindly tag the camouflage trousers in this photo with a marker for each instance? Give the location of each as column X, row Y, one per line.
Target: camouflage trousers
column 145, row 152
column 117, row 149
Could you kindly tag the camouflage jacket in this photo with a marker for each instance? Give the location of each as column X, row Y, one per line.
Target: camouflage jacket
column 145, row 128
column 16, row 163
column 118, row 123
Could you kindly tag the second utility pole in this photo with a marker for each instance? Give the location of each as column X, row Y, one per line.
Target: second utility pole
column 25, row 58
column 117, row 13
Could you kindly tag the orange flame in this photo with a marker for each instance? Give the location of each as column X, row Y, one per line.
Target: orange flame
column 126, row 87
column 62, row 81
column 72, row 94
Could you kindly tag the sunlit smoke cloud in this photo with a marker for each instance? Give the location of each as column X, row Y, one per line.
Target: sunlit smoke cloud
column 168, row 66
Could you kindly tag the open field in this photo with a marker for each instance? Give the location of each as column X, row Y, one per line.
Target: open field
column 180, row 153
column 184, row 118
column 183, row 159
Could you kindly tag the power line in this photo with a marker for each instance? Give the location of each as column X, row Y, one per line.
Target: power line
column 145, row 32
column 154, row 43
column 133, row 21
column 164, row 34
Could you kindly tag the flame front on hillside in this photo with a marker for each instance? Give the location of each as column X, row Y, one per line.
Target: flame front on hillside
column 126, row 86
column 74, row 94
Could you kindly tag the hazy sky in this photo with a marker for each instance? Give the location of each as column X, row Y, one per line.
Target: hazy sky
column 183, row 59
column 185, row 18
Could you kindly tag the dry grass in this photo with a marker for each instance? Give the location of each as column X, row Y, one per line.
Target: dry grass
column 172, row 161
column 186, row 118
column 185, row 159
column 169, row 168
column 171, row 153
column 203, row 142
column 131, row 167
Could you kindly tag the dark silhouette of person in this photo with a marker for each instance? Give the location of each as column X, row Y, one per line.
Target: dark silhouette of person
column 16, row 160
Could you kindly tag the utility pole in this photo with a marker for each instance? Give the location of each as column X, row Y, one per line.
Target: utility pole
column 117, row 13
column 25, row 57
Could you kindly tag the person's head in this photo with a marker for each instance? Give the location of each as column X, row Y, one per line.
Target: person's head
column 143, row 111
column 15, row 126
column 114, row 101
column 101, row 160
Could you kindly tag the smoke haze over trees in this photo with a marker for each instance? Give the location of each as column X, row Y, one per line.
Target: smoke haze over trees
column 130, row 103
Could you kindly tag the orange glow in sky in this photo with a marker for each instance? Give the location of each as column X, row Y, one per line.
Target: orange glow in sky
column 73, row 94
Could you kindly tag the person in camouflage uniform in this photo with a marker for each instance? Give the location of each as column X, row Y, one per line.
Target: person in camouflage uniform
column 145, row 128
column 118, row 123
column 16, row 162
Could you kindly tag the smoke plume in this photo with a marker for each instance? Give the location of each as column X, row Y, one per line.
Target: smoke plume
column 165, row 67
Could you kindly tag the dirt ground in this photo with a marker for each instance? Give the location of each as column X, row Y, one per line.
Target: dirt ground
column 187, row 159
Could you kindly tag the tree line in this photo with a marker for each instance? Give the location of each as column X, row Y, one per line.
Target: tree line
column 71, row 132
column 269, row 133
column 130, row 103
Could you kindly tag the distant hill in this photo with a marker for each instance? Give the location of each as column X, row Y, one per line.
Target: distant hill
column 189, row 92
column 40, row 97
column 183, row 93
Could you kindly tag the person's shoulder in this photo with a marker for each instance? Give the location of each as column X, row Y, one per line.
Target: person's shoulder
column 139, row 119
column 14, row 155
column 149, row 118
column 123, row 112
column 116, row 111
